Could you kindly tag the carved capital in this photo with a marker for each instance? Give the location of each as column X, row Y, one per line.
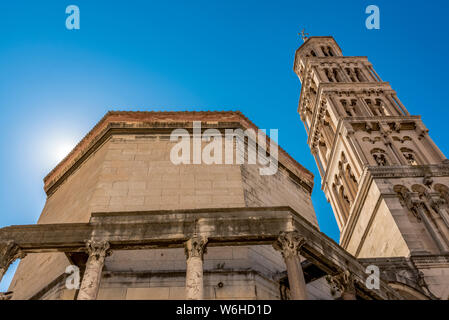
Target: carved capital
column 427, row 180
column 342, row 282
column 5, row 295
column 195, row 247
column 289, row 243
column 411, row 201
column 98, row 249
column 9, row 252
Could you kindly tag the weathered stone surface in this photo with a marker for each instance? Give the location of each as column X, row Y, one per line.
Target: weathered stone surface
column 387, row 181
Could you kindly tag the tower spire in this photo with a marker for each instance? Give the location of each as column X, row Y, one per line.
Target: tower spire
column 383, row 175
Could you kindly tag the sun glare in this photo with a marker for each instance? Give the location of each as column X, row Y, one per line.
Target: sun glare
column 61, row 150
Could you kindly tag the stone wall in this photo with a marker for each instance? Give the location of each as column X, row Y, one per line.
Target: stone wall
column 132, row 172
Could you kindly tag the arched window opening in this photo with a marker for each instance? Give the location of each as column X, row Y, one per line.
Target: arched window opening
column 325, row 52
column 330, row 75
column 351, row 74
column 381, row 107
column 337, row 75
column 410, row 156
column 359, row 75
column 380, row 157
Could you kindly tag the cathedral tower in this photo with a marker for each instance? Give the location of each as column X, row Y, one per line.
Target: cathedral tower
column 385, row 178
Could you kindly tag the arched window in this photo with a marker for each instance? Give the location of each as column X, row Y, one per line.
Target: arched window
column 345, row 200
column 351, row 74
column 359, row 75
column 329, row 75
column 381, row 107
column 337, row 75
column 410, row 156
column 380, row 157
column 346, row 107
column 372, row 107
column 325, row 52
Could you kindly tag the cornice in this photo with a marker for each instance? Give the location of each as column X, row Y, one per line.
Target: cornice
column 127, row 122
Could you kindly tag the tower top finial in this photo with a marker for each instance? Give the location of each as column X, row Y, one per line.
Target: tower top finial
column 304, row 36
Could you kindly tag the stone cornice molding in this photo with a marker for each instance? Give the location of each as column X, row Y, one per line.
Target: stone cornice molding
column 289, row 244
column 171, row 229
column 435, row 170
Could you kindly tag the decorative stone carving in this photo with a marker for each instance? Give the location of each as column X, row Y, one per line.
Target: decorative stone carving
column 9, row 252
column 380, row 159
column 289, row 243
column 196, row 247
column 5, row 295
column 98, row 249
column 427, row 180
column 407, row 201
column 342, row 283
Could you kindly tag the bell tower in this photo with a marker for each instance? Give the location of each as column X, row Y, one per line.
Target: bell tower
column 385, row 178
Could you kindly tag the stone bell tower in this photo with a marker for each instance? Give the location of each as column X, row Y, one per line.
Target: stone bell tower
column 387, row 181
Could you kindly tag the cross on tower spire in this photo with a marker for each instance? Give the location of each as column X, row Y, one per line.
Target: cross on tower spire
column 304, row 36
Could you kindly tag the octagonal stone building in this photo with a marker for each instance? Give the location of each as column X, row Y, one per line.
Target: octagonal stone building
column 123, row 165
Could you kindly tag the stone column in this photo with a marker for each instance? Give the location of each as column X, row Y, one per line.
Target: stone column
column 194, row 250
column 9, row 252
column 289, row 244
column 98, row 251
column 343, row 283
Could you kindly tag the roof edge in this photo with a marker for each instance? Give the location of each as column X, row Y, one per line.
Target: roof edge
column 101, row 129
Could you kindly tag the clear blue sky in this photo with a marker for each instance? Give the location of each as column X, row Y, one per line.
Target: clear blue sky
column 55, row 84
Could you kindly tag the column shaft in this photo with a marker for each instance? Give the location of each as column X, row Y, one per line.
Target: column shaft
column 289, row 244
column 194, row 249
column 296, row 278
column 94, row 266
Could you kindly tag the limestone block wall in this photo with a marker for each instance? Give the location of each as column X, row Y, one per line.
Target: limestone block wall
column 276, row 190
column 133, row 172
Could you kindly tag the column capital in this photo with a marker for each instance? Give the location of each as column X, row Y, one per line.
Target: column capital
column 342, row 282
column 98, row 249
column 289, row 243
column 5, row 295
column 195, row 247
column 9, row 251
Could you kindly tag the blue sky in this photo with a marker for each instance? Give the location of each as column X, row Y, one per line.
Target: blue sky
column 55, row 84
